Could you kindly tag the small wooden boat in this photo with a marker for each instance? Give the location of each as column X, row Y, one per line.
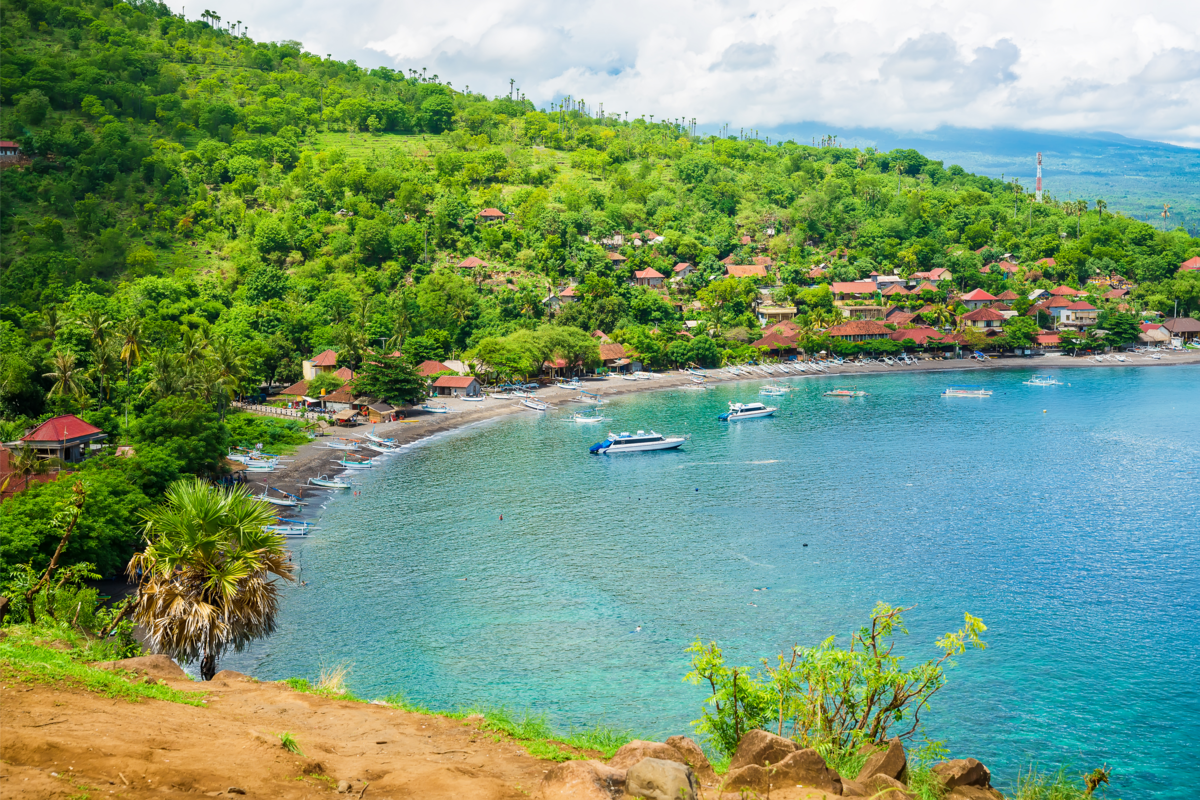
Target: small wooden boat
column 435, row 408
column 328, row 483
column 536, row 405
column 844, row 393
column 354, row 464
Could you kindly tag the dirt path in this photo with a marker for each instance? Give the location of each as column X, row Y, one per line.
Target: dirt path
column 65, row 743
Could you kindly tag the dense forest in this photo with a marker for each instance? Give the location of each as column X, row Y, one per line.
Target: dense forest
column 193, row 213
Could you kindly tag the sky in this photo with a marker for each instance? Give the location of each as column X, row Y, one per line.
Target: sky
column 1105, row 65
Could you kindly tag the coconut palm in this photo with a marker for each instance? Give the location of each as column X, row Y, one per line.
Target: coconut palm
column 68, row 376
column 166, row 376
column 129, row 335
column 195, row 347
column 230, row 370
column 206, row 578
column 97, row 324
column 105, row 362
column 24, row 461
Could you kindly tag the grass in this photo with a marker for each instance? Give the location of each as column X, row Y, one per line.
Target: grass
column 45, row 654
column 1059, row 785
column 289, row 743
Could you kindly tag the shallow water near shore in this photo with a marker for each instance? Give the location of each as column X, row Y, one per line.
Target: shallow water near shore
column 1064, row 516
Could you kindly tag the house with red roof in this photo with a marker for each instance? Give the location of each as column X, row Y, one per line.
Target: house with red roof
column 1192, row 264
column 682, row 269
column 1115, row 294
column 616, row 258
column 427, row 369
column 933, row 276
column 492, row 215
column 860, row 330
column 921, row 336
column 1065, row 291
column 1008, row 295
column 9, row 151
column 977, row 298
column 1044, row 340
column 471, row 262
column 648, row 277
column 66, row 437
column 325, row 361
column 456, row 386
column 746, row 270
column 984, row 319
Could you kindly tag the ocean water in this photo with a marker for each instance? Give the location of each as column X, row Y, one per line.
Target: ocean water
column 1066, row 517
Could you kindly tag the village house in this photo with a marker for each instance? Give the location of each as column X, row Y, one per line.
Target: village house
column 1046, row 341
column 1005, row 267
column 683, row 269
column 471, row 262
column 1154, row 333
column 984, row 319
column 860, row 330
column 66, row 437
column 977, row 298
column 885, row 282
column 325, row 361
column 1079, row 314
column 922, row 336
column 1065, row 291
column 616, row 258
column 9, row 151
column 933, row 276
column 1192, row 264
column 648, row 277
column 614, row 356
column 456, row 386
column 492, row 215
column 1185, row 329
column 427, row 369
column 746, row 270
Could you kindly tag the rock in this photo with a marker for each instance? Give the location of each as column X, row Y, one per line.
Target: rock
column 656, row 779
column 751, row 776
column 694, row 757
column 343, row 787
column 635, row 751
column 583, row 780
column 890, row 762
column 231, row 789
column 808, row 769
column 962, row 772
column 159, row 666
column 974, row 793
column 882, row 787
column 230, row 675
column 852, row 788
column 759, row 747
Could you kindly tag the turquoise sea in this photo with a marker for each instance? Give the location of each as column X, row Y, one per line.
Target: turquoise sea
column 1066, row 517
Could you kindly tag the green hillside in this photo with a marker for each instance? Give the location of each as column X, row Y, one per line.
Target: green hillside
column 235, row 206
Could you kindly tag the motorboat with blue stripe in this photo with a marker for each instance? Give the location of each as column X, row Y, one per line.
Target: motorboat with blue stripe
column 640, row 442
column 740, row 411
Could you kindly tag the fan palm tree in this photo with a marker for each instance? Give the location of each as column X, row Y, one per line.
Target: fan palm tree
column 206, row 576
column 1100, row 206
column 68, row 376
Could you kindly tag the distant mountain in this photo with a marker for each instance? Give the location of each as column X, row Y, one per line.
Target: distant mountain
column 1132, row 175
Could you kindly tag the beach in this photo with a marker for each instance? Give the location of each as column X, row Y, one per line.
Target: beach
column 317, row 458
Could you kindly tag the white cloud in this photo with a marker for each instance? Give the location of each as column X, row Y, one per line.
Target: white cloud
column 1105, row 65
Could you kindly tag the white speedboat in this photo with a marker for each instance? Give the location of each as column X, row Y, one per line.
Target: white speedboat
column 640, row 442
column 740, row 411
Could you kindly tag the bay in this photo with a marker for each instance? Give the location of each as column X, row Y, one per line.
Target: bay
column 1064, row 516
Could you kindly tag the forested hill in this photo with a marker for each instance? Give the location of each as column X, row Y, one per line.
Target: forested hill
column 219, row 190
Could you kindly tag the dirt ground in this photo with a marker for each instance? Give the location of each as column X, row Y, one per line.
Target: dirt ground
column 58, row 743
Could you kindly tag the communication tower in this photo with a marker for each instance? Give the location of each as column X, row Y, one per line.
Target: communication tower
column 1039, row 179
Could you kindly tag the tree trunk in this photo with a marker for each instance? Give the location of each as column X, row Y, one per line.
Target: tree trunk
column 208, row 665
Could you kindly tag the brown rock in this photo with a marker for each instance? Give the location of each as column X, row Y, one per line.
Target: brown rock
column 852, row 788
column 656, row 779
column 229, row 675
column 890, row 762
column 694, row 757
column 962, row 772
column 759, row 747
column 751, row 776
column 882, row 787
column 638, row 749
column 974, row 793
column 583, row 780
column 808, row 769
column 159, row 666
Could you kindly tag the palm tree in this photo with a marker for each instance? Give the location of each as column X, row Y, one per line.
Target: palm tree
column 195, row 345
column 1100, row 206
column 941, row 314
column 68, row 378
column 97, row 324
column 104, row 364
column 166, row 377
column 130, row 333
column 24, row 461
column 205, row 577
column 230, row 370
column 48, row 324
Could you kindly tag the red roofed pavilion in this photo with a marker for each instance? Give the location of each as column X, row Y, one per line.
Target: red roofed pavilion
column 64, row 437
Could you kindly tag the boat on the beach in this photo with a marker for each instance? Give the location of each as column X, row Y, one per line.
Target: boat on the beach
column 290, row 531
column 740, row 411
column 573, row 385
column 355, row 464
column 435, row 408
column 966, row 391
column 478, row 399
column 1043, row 380
column 379, row 439
column 286, row 502
column 328, row 483
column 844, row 393
column 639, row 442
column 536, row 405
column 342, row 444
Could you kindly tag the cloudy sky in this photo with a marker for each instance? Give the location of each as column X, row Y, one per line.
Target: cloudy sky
column 1103, row 65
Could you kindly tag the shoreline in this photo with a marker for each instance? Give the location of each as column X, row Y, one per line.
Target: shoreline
column 315, row 458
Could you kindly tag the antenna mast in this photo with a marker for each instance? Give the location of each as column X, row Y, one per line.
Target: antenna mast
column 1039, row 178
